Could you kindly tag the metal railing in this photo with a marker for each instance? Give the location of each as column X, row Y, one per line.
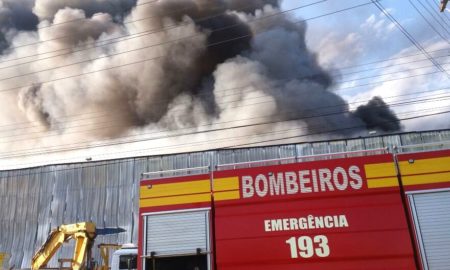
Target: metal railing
column 423, row 147
column 278, row 161
column 169, row 173
column 287, row 160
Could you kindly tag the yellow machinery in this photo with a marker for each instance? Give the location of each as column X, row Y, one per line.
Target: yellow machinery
column 83, row 234
column 104, row 252
column 443, row 5
column 3, row 258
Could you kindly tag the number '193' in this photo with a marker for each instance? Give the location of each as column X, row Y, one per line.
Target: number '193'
column 307, row 247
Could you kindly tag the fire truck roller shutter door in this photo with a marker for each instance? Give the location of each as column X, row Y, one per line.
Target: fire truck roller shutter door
column 431, row 214
column 177, row 233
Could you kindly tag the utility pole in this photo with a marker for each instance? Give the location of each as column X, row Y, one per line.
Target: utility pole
column 443, row 5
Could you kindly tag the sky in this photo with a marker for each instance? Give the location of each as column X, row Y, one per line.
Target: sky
column 366, row 35
column 362, row 52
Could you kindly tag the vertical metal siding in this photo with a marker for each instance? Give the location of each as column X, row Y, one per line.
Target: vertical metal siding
column 391, row 141
column 287, row 151
column 177, row 233
column 225, row 157
column 355, row 145
column 411, row 139
column 373, row 143
column 320, row 148
column 432, row 220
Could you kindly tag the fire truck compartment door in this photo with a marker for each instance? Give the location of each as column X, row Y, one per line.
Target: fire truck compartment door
column 431, row 213
column 178, row 233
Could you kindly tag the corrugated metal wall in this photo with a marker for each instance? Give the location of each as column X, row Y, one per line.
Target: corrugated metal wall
column 33, row 201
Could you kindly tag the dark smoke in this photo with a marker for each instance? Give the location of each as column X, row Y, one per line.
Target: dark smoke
column 226, row 37
column 219, row 45
column 377, row 115
column 118, row 9
column 31, row 102
column 16, row 15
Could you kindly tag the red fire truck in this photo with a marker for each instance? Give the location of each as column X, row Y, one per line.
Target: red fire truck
column 355, row 210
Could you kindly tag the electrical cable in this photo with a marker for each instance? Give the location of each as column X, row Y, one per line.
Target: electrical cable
column 177, row 135
column 383, row 81
column 161, row 44
column 101, row 43
column 57, row 124
column 213, row 94
column 146, row 47
column 17, row 126
column 436, row 13
column 409, row 36
column 387, row 74
column 93, row 16
column 159, row 57
column 429, row 23
column 261, row 141
column 330, row 131
column 98, row 126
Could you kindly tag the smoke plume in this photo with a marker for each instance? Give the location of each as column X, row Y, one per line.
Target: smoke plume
column 377, row 115
column 46, row 9
column 174, row 64
column 15, row 15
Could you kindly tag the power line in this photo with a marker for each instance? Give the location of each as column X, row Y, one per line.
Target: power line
column 430, row 10
column 141, row 34
column 445, row 14
column 393, row 65
column 428, row 22
column 160, row 56
column 437, row 13
column 408, row 36
column 259, row 135
column 327, row 132
column 138, row 49
column 214, row 44
column 145, row 60
column 150, row 46
column 387, row 74
column 250, row 85
column 221, row 96
column 53, row 149
column 284, row 114
column 16, row 126
column 214, row 94
column 124, row 23
column 395, row 58
column 93, row 16
column 133, row 50
column 383, row 81
column 101, row 43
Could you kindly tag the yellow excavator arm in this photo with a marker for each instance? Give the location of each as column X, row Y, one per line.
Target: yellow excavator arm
column 82, row 233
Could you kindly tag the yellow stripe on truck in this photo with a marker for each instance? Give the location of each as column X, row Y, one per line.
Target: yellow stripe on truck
column 426, row 179
column 422, row 166
column 174, row 189
column 185, row 199
column 227, row 195
column 229, row 183
column 382, row 182
column 380, row 170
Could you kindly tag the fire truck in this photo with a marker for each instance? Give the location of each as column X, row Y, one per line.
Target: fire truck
column 372, row 209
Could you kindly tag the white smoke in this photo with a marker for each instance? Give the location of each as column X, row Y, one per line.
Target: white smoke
column 184, row 66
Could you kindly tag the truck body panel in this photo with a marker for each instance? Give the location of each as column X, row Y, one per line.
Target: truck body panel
column 349, row 212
